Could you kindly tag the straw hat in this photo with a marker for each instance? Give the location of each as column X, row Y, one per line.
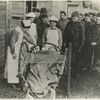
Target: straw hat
column 31, row 15
column 53, row 18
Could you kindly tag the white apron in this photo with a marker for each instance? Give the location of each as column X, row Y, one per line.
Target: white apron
column 32, row 32
column 52, row 37
column 11, row 66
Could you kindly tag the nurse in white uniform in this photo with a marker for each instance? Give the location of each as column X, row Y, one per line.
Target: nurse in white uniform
column 52, row 35
column 11, row 65
column 32, row 30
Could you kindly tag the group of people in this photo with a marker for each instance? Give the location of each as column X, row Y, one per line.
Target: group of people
column 83, row 31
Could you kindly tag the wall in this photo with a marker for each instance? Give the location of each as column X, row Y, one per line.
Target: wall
column 2, row 32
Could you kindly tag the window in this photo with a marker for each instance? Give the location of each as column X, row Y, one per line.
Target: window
column 30, row 5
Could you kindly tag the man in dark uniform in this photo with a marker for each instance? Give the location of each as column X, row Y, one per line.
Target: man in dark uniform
column 96, row 32
column 74, row 33
column 41, row 24
column 89, row 38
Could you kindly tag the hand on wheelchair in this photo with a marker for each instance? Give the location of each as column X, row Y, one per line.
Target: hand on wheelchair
column 14, row 56
column 34, row 49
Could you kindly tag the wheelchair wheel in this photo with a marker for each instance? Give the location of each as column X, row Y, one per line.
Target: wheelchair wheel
column 22, row 53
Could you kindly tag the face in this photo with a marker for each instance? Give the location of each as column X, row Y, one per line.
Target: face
column 80, row 17
column 98, row 20
column 62, row 16
column 37, row 14
column 32, row 20
column 45, row 20
column 74, row 19
column 87, row 19
column 91, row 16
column 53, row 23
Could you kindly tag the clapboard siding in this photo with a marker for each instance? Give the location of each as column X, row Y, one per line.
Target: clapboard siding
column 2, row 32
column 17, row 10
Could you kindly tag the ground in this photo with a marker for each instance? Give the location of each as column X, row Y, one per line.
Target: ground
column 86, row 86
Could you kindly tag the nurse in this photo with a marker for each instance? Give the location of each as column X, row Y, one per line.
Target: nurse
column 16, row 38
column 32, row 30
column 52, row 34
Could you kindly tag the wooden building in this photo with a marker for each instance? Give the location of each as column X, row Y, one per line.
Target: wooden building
column 12, row 12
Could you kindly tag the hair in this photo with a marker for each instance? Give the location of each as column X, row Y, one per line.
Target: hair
column 36, row 10
column 75, row 14
column 43, row 10
column 98, row 15
column 63, row 12
column 44, row 16
column 81, row 14
column 87, row 15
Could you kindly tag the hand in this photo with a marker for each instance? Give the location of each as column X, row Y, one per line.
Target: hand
column 14, row 56
column 93, row 43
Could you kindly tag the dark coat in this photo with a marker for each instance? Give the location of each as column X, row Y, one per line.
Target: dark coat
column 40, row 28
column 96, row 31
column 89, row 34
column 74, row 32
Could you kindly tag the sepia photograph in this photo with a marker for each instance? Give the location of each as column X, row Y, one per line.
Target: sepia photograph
column 49, row 49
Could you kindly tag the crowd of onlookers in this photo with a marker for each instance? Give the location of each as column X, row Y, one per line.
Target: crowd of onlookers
column 82, row 30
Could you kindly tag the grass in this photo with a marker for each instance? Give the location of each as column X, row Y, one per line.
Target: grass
column 86, row 86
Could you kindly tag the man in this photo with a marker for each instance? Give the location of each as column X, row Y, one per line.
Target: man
column 74, row 33
column 89, row 38
column 62, row 21
column 96, row 43
column 41, row 26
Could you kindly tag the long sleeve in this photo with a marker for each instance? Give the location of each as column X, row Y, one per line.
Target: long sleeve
column 82, row 32
column 14, row 38
column 60, row 38
column 44, row 35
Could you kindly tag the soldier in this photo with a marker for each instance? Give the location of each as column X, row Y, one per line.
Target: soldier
column 96, row 31
column 89, row 38
column 74, row 33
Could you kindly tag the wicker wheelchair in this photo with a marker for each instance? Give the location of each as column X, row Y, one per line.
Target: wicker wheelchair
column 40, row 75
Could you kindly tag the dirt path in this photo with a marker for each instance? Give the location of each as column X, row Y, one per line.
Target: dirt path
column 86, row 86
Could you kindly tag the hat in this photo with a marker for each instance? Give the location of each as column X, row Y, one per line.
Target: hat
column 98, row 15
column 26, row 23
column 43, row 10
column 75, row 14
column 53, row 18
column 31, row 15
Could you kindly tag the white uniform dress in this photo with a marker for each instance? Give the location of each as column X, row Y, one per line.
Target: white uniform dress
column 11, row 66
column 52, row 37
column 32, row 32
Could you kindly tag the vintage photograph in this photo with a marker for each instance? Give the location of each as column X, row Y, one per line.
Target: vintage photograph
column 49, row 49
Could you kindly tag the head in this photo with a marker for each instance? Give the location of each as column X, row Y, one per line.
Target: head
column 36, row 11
column 80, row 17
column 43, row 11
column 75, row 16
column 25, row 25
column 53, row 21
column 98, row 18
column 87, row 17
column 30, row 16
column 44, row 18
column 91, row 15
column 62, row 15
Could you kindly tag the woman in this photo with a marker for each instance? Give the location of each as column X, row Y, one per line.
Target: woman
column 16, row 38
column 32, row 30
column 52, row 34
